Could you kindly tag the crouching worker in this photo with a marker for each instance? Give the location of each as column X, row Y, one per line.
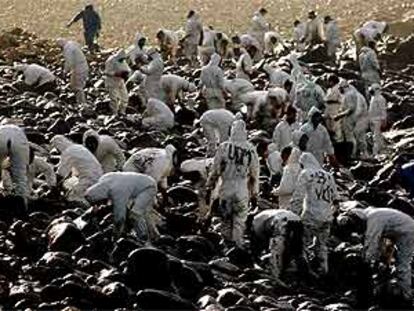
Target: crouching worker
column 78, row 168
column 377, row 224
column 282, row 231
column 133, row 197
column 37, row 78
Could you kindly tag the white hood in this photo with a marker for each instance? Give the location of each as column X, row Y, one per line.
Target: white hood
column 308, row 161
column 61, row 143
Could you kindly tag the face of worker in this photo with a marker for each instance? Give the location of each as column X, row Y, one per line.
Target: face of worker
column 91, row 143
column 291, row 117
column 316, row 119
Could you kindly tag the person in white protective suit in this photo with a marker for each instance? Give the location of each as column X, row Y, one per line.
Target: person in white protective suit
column 236, row 165
column 201, row 166
column 377, row 224
column 133, row 197
column 173, row 86
column 208, row 46
column 78, row 163
column 77, row 66
column 193, row 37
column 237, row 88
column 249, row 42
column 212, row 83
column 277, row 76
column 307, row 95
column 271, row 40
column 314, row 198
column 157, row 116
column 289, row 179
column 274, row 163
column 153, row 73
column 355, row 121
column 223, row 47
column 299, row 30
column 313, row 30
column 105, row 149
column 282, row 134
column 216, row 125
column 138, row 56
column 319, row 143
column 116, row 73
column 332, row 36
column 244, row 65
column 370, row 31
column 369, row 66
column 333, row 101
column 37, row 78
column 265, row 107
column 282, row 231
column 377, row 117
column 15, row 146
column 155, row 162
column 37, row 166
column 168, row 42
column 259, row 26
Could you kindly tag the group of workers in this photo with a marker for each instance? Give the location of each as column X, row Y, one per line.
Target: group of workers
column 304, row 120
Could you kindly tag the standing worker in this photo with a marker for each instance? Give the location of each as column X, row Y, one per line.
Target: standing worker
column 91, row 25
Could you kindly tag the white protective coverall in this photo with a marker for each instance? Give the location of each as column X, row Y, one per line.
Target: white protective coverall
column 396, row 226
column 155, row 162
column 289, row 180
column 259, row 27
column 116, row 70
column 313, row 198
column 172, row 86
column 314, row 31
column 269, row 46
column 37, row 167
column 169, row 44
column 216, row 124
column 274, row 162
column 200, row 165
column 369, row 66
column 79, row 163
column 208, row 47
column 332, row 37
column 277, row 77
column 272, row 226
column 282, row 134
column 15, row 146
column 137, row 53
column 368, row 32
column 35, row 75
column 244, row 66
column 236, row 164
column 333, row 101
column 307, row 95
column 158, row 116
column 193, row 31
column 377, row 117
column 355, row 123
column 299, row 33
column 247, row 40
column 153, row 73
column 133, row 197
column 237, row 88
column 77, row 66
column 108, row 153
column 319, row 142
column 212, row 83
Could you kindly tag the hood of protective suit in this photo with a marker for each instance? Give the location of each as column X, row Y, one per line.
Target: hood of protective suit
column 294, row 156
column 376, row 88
column 308, row 161
column 61, row 143
column 170, row 149
column 365, row 50
column 62, row 42
column 312, row 112
column 359, row 212
column 153, row 53
column 214, row 60
column 21, row 67
column 267, row 68
column 238, row 131
column 272, row 148
column 90, row 133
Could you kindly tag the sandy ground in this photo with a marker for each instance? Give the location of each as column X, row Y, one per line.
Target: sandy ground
column 123, row 18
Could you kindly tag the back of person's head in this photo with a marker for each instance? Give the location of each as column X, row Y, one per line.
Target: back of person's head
column 89, row 7
column 333, row 79
column 327, row 19
column 311, row 14
column 191, row 13
column 296, row 23
column 372, row 45
column 263, row 11
column 285, row 154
